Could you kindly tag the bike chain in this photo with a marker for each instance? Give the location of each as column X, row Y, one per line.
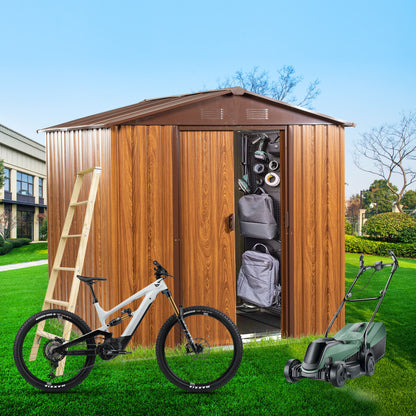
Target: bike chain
column 90, row 366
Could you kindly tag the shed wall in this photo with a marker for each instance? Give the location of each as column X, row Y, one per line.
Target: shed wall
column 132, row 221
column 315, row 282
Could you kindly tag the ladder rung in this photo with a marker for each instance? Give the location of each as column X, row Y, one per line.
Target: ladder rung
column 84, row 172
column 67, row 269
column 75, row 204
column 71, row 235
column 57, row 302
column 45, row 334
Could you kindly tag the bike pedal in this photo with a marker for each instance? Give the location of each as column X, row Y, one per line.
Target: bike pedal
column 123, row 352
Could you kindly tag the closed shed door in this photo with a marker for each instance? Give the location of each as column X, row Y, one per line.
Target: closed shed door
column 206, row 202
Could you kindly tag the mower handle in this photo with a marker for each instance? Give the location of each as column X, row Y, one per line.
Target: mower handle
column 378, row 265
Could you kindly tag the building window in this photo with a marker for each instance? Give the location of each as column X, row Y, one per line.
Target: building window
column 24, row 219
column 7, row 179
column 40, row 188
column 24, row 184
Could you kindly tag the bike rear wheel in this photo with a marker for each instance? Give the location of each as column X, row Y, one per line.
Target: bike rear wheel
column 215, row 356
column 35, row 359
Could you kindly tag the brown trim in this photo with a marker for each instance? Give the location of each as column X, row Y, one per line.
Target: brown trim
column 287, row 288
column 284, row 229
column 176, row 175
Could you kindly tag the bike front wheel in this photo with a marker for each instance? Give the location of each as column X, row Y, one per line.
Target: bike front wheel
column 199, row 351
column 36, row 359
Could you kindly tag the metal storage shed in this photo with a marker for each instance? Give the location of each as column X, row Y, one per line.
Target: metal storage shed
column 169, row 190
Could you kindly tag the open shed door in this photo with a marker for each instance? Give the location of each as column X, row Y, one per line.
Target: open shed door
column 206, row 229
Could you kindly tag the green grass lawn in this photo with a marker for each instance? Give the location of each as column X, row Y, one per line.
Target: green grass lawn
column 135, row 387
column 30, row 252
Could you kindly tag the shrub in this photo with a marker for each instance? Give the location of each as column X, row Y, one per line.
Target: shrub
column 408, row 234
column 19, row 242
column 44, row 230
column 5, row 247
column 387, row 226
column 363, row 245
column 348, row 227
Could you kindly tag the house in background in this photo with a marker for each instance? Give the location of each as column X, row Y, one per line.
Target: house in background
column 23, row 196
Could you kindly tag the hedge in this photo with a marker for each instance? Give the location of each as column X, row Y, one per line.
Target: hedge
column 362, row 245
column 6, row 246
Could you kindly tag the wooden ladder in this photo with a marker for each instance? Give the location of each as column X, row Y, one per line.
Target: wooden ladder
column 79, row 263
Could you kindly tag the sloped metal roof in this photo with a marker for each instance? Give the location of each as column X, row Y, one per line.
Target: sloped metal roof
column 157, row 106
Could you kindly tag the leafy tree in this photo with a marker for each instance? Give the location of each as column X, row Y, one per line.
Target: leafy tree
column 409, row 201
column 378, row 198
column 1, row 174
column 281, row 88
column 390, row 151
column 352, row 210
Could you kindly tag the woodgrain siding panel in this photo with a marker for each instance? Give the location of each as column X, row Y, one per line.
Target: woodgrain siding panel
column 68, row 153
column 132, row 221
column 207, row 199
column 316, row 192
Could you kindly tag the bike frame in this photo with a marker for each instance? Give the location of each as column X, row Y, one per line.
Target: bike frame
column 150, row 293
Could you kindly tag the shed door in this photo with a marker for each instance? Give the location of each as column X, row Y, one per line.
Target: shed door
column 206, row 202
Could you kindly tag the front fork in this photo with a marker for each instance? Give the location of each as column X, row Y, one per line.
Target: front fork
column 179, row 316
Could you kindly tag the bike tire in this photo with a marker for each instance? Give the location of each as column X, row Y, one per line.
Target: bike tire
column 37, row 370
column 219, row 344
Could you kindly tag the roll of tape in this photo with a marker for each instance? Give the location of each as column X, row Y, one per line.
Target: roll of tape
column 259, row 168
column 274, row 165
column 272, row 179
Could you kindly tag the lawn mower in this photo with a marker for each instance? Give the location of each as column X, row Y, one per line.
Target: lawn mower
column 352, row 351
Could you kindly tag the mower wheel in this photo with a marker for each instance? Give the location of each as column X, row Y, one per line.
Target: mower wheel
column 370, row 364
column 289, row 367
column 338, row 374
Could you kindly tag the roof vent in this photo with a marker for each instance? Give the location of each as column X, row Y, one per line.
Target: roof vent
column 212, row 114
column 257, row 113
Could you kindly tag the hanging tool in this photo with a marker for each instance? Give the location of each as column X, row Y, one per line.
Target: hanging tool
column 260, row 154
column 243, row 183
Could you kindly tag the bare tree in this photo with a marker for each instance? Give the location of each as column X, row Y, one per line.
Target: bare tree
column 389, row 152
column 282, row 88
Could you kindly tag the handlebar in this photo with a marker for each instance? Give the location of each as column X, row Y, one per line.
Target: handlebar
column 378, row 265
column 159, row 270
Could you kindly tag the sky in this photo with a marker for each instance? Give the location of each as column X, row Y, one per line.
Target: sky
column 61, row 60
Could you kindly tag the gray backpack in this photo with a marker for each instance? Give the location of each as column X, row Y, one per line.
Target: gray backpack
column 255, row 212
column 258, row 279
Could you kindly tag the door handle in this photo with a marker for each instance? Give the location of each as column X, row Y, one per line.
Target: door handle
column 231, row 222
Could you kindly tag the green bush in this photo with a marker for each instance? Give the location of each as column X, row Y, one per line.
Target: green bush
column 19, row 242
column 387, row 226
column 348, row 227
column 363, row 245
column 44, row 230
column 5, row 247
column 408, row 234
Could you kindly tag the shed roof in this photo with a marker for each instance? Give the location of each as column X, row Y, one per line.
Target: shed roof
column 177, row 110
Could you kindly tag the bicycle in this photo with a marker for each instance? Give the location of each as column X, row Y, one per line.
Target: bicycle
column 198, row 348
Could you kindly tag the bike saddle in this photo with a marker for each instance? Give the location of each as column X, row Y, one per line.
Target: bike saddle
column 89, row 279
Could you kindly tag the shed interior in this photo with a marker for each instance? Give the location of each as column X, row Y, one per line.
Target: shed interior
column 262, row 170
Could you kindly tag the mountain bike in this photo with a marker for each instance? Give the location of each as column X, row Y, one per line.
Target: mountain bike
column 198, row 348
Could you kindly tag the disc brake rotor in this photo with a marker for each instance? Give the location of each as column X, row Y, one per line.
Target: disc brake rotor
column 50, row 354
column 203, row 349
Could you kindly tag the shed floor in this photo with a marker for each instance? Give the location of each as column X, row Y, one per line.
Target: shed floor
column 257, row 322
